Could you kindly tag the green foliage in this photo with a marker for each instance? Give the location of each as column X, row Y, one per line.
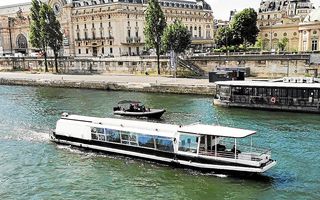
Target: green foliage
column 225, row 36
column 44, row 29
column 282, row 44
column 242, row 30
column 259, row 43
column 35, row 24
column 176, row 37
column 244, row 24
column 55, row 35
column 155, row 24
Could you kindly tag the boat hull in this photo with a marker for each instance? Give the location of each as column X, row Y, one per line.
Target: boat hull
column 153, row 113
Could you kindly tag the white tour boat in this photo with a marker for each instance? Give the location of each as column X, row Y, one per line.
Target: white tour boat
column 203, row 147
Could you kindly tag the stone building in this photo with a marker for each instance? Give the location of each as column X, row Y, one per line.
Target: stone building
column 113, row 28
column 278, row 19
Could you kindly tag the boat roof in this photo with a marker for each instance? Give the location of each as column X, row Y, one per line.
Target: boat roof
column 268, row 84
column 159, row 129
column 220, row 131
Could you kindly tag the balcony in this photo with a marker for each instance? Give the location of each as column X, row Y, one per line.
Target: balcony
column 132, row 40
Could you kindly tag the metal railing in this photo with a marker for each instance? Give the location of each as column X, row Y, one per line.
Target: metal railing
column 244, row 152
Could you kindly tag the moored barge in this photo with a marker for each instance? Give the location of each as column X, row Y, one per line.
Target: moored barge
column 203, row 147
column 288, row 94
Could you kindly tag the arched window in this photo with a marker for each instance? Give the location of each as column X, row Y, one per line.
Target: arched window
column 22, row 42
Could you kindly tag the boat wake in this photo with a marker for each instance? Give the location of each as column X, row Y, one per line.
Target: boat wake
column 26, row 135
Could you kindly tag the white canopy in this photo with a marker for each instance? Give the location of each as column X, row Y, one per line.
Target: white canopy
column 216, row 131
column 268, row 84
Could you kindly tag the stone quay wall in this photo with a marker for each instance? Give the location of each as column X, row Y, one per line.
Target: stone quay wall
column 195, row 89
column 260, row 65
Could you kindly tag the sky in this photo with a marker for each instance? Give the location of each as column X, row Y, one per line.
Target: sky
column 221, row 8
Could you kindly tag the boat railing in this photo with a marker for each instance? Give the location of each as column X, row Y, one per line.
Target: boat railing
column 242, row 152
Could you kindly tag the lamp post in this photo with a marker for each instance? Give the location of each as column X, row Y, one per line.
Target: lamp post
column 10, row 23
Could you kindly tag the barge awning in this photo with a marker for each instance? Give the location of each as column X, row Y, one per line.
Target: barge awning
column 219, row 131
column 268, row 84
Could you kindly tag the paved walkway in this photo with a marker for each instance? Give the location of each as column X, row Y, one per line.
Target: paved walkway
column 106, row 78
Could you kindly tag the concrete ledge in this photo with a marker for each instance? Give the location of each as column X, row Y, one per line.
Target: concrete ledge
column 199, row 89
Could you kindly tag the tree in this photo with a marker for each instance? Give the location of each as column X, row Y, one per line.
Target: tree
column 155, row 25
column 44, row 34
column 176, row 37
column 282, row 44
column 259, row 43
column 244, row 24
column 55, row 35
column 45, row 30
column 224, row 37
column 35, row 24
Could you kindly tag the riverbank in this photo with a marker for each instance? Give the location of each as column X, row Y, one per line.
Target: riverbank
column 155, row 84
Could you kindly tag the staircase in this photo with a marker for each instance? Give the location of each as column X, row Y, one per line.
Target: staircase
column 189, row 65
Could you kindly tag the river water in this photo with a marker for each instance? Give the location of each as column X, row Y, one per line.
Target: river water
column 31, row 167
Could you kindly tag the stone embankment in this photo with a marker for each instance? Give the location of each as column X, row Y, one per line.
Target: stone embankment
column 112, row 82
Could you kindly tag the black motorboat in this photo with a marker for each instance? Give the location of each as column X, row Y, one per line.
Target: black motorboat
column 136, row 109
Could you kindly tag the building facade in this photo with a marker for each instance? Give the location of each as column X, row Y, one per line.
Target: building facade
column 93, row 28
column 294, row 20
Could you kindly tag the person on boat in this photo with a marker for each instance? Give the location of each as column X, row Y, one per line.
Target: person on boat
column 233, row 150
column 131, row 108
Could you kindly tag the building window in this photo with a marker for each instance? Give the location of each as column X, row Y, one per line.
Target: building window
column 314, row 45
column 93, row 35
column 314, row 32
column 85, row 25
column 102, row 50
column 109, row 24
column 110, row 42
column 78, row 36
column 87, row 51
column 285, row 34
column 304, row 45
column 79, row 51
column 129, row 33
column 92, row 25
column 85, row 35
column 101, row 25
column 111, row 51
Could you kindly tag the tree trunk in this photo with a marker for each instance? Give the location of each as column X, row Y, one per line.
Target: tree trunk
column 158, row 58
column 45, row 62
column 56, row 61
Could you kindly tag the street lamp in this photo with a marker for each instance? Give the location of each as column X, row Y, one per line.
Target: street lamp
column 10, row 24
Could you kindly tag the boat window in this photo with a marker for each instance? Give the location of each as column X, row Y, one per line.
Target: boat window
column 112, row 135
column 188, row 143
column 164, row 144
column 98, row 134
column 146, row 141
column 128, row 138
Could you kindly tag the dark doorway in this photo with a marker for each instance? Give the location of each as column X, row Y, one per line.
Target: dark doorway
column 94, row 51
